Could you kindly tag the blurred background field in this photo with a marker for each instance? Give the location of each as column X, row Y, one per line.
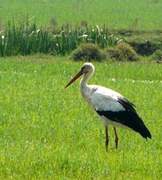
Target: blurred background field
column 118, row 14
column 59, row 27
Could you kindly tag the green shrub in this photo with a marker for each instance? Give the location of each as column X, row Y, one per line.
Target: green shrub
column 122, row 51
column 157, row 55
column 113, row 53
column 127, row 51
column 88, row 52
column 145, row 47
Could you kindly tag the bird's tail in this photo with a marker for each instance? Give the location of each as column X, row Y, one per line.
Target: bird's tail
column 145, row 132
column 141, row 128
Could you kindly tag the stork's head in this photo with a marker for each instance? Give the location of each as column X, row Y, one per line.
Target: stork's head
column 86, row 69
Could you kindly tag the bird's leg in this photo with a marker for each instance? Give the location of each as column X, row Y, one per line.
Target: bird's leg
column 116, row 138
column 107, row 138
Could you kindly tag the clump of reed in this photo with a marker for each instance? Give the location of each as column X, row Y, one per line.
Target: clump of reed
column 27, row 38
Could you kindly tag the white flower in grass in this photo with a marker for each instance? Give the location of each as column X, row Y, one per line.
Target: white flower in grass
column 113, row 80
column 84, row 35
column 120, row 41
column 32, row 32
column 98, row 28
column 38, row 30
column 2, row 36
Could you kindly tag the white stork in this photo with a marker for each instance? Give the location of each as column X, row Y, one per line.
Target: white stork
column 111, row 106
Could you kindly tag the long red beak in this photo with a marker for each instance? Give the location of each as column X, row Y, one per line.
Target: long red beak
column 74, row 78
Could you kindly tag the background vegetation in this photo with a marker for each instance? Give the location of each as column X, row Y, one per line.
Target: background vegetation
column 26, row 38
column 58, row 27
column 118, row 14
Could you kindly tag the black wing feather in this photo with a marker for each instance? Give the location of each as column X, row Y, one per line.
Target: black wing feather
column 129, row 117
column 129, row 106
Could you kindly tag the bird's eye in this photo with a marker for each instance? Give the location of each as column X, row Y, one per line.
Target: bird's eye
column 82, row 68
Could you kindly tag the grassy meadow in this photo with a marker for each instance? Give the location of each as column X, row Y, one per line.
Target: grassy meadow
column 47, row 132
column 125, row 14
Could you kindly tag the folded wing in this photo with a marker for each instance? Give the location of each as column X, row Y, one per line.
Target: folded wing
column 118, row 109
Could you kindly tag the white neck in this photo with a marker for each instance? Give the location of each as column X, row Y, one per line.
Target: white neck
column 85, row 78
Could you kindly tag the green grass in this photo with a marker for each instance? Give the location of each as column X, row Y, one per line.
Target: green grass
column 49, row 132
column 145, row 15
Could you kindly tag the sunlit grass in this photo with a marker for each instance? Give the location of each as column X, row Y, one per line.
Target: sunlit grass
column 49, row 132
column 116, row 14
